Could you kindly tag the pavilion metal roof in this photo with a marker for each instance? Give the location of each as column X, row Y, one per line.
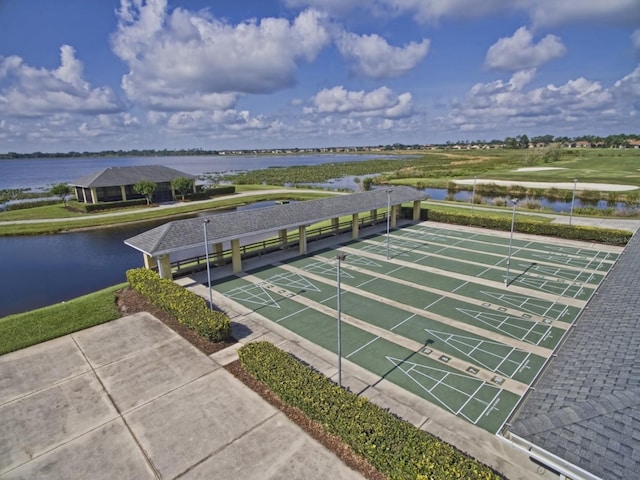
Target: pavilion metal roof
column 117, row 176
column 585, row 408
column 185, row 234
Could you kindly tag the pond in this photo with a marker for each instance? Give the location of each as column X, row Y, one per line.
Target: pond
column 45, row 269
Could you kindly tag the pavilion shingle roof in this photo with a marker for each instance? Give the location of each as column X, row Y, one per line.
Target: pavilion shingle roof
column 116, row 176
column 185, row 234
column 586, row 406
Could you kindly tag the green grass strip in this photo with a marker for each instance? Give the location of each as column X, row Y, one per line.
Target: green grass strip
column 30, row 328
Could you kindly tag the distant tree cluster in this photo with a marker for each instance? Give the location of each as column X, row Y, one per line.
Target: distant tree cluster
column 520, row 141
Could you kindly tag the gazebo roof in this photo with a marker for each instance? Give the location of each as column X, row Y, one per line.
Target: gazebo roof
column 185, row 234
column 116, row 176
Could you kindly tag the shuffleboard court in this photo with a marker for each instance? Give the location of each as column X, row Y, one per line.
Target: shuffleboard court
column 435, row 318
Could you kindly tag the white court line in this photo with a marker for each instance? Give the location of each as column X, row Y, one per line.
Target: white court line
column 364, row 346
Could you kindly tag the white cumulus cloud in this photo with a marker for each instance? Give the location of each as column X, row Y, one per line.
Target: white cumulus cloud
column 374, row 57
column 520, row 52
column 192, row 58
column 541, row 12
column 579, row 104
column 31, row 92
column 381, row 102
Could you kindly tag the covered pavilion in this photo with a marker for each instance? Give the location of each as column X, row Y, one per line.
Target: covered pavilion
column 159, row 244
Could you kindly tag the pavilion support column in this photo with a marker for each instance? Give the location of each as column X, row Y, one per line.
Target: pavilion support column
column 335, row 225
column 94, row 195
column 394, row 216
column 236, row 257
column 282, row 235
column 150, row 263
column 217, row 251
column 416, row 210
column 123, row 193
column 302, row 230
column 354, row 226
column 374, row 215
column 164, row 267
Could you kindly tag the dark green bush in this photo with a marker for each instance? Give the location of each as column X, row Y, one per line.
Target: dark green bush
column 187, row 307
column 98, row 207
column 569, row 232
column 394, row 447
column 33, row 204
column 220, row 190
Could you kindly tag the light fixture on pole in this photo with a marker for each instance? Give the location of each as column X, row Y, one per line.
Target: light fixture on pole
column 573, row 199
column 340, row 257
column 388, row 218
column 513, row 220
column 206, row 253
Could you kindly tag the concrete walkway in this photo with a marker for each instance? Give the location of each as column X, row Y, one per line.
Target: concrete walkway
column 132, row 399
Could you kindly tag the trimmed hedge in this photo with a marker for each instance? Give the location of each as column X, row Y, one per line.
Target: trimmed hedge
column 569, row 232
column 31, row 204
column 394, row 447
column 98, row 207
column 187, row 307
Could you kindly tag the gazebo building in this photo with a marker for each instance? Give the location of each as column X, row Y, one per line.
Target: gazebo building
column 164, row 245
column 115, row 184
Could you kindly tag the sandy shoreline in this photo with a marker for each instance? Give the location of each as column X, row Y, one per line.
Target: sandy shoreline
column 601, row 187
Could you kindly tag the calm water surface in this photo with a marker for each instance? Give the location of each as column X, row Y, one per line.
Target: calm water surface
column 41, row 173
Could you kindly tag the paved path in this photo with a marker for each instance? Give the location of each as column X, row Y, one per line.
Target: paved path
column 132, row 399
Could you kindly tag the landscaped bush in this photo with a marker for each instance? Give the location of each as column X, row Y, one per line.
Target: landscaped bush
column 98, row 207
column 32, row 204
column 569, row 232
column 187, row 307
column 220, row 190
column 394, row 447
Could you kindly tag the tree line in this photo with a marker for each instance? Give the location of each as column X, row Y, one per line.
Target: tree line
column 520, row 141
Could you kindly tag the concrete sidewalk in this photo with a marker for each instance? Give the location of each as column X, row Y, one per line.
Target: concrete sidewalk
column 133, row 399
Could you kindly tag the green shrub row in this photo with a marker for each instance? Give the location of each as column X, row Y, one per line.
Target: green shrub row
column 98, row 207
column 33, row 204
column 394, row 447
column 220, row 190
column 569, row 232
column 187, row 307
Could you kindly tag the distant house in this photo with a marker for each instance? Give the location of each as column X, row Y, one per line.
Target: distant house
column 115, row 184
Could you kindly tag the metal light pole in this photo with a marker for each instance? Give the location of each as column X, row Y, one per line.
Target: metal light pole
column 473, row 196
column 206, row 252
column 340, row 257
column 388, row 218
column 513, row 220
column 573, row 199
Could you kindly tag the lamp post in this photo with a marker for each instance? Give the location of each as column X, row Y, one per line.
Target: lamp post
column 206, row 252
column 340, row 257
column 573, row 199
column 473, row 195
column 513, row 220
column 388, row 218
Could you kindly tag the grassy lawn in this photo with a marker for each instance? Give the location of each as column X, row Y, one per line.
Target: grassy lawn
column 79, row 221
column 25, row 329
column 587, row 165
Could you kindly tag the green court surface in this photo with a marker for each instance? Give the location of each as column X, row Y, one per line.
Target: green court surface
column 435, row 318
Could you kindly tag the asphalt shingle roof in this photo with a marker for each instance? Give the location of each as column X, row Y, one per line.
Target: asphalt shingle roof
column 185, row 234
column 116, row 176
column 586, row 406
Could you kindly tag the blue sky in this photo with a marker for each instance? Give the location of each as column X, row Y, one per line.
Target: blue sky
column 123, row 74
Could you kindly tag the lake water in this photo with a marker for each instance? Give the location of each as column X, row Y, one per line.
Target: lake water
column 43, row 270
column 42, row 173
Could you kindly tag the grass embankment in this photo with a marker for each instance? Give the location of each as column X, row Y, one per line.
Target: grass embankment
column 56, row 219
column 30, row 328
